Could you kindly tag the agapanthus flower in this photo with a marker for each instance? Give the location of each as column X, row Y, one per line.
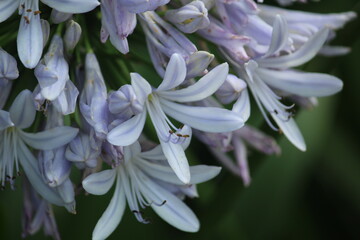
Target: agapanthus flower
column 54, row 167
column 145, row 179
column 163, row 40
column 119, row 19
column 272, row 72
column 14, row 140
column 161, row 102
column 265, row 71
column 93, row 98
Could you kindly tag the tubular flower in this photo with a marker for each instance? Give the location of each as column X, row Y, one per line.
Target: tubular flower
column 13, row 149
column 145, row 179
column 161, row 102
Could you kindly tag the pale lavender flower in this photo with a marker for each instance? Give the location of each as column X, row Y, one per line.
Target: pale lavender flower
column 303, row 25
column 72, row 35
column 54, row 167
column 82, row 153
column 93, row 100
column 163, row 40
column 262, row 78
column 117, row 23
column 160, row 102
column 145, row 179
column 13, row 141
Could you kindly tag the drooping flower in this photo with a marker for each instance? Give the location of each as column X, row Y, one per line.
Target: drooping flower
column 145, row 179
column 54, row 167
column 163, row 40
column 272, row 72
column 161, row 102
column 13, row 141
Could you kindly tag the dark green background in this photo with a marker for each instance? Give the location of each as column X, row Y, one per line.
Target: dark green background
column 311, row 195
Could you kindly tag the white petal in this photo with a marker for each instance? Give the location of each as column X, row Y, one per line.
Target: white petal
column 7, row 8
column 50, row 139
column 242, row 105
column 175, row 73
column 112, row 215
column 72, row 6
column 30, row 167
column 173, row 211
column 22, row 111
column 30, row 40
column 141, row 87
column 99, row 183
column 127, row 132
column 301, row 83
column 208, row 119
column 199, row 174
column 301, row 56
column 291, row 131
column 177, row 160
column 203, row 88
column 154, row 154
column 280, row 36
column 203, row 173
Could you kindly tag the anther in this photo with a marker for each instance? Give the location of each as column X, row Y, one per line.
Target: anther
column 27, row 20
column 179, row 135
column 29, row 10
column 171, row 131
column 186, row 136
column 37, row 12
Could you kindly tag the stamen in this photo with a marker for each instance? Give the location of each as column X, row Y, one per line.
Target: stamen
column 27, row 20
column 37, row 12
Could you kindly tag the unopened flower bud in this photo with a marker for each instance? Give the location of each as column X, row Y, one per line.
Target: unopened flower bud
column 72, row 35
column 45, row 26
column 190, row 17
column 81, row 152
column 125, row 102
column 231, row 89
column 197, row 64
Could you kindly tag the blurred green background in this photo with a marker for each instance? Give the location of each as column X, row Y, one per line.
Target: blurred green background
column 311, row 195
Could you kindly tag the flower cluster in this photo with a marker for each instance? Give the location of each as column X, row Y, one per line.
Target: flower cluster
column 124, row 111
